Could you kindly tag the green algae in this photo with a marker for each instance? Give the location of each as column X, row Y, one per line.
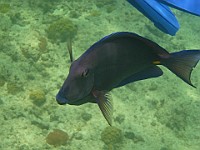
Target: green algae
column 42, row 45
column 2, row 80
column 102, row 3
column 5, row 7
column 14, row 88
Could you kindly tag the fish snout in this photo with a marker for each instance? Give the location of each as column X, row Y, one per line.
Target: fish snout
column 61, row 99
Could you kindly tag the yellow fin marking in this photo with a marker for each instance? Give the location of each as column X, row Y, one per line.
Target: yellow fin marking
column 157, row 62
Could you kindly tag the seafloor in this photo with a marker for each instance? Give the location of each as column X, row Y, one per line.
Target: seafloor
column 155, row 114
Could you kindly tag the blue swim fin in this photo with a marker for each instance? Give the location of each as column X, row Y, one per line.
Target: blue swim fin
column 158, row 13
column 190, row 6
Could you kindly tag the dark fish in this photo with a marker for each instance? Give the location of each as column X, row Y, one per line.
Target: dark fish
column 116, row 60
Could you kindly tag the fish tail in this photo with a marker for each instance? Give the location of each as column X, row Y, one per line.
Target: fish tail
column 182, row 63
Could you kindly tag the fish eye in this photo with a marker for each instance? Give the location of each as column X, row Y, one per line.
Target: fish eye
column 85, row 73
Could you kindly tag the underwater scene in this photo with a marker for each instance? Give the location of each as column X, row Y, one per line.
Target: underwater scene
column 35, row 35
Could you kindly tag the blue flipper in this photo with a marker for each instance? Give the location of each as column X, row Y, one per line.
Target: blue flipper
column 190, row 6
column 151, row 72
column 158, row 13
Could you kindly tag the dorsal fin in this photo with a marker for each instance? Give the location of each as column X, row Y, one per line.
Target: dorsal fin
column 69, row 47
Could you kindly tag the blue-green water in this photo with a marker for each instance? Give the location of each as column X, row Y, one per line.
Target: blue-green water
column 155, row 114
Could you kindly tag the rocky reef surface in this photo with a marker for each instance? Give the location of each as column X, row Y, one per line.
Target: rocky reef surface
column 155, row 114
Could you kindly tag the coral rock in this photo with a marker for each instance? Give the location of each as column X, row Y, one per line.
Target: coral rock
column 57, row 138
column 38, row 97
column 62, row 30
column 111, row 135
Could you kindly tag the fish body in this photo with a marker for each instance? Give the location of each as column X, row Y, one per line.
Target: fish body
column 117, row 57
column 116, row 60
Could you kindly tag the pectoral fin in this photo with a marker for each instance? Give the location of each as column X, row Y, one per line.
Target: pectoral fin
column 105, row 104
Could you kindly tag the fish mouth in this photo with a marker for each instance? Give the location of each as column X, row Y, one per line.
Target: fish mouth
column 61, row 100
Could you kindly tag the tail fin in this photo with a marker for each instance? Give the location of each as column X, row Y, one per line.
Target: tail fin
column 182, row 63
